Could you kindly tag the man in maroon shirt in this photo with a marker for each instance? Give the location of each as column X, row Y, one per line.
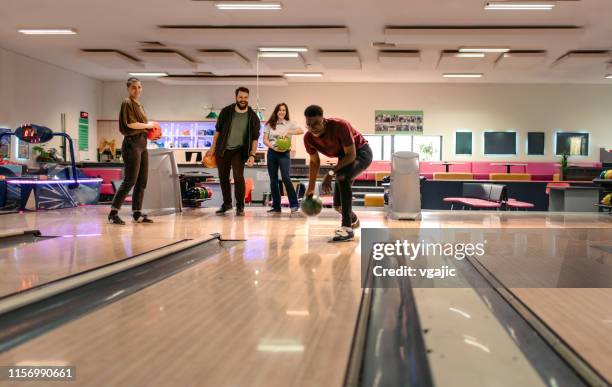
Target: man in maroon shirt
column 335, row 137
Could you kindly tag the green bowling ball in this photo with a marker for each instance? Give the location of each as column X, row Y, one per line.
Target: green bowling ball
column 312, row 205
column 283, row 144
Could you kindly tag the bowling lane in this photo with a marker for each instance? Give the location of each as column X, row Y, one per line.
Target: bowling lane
column 25, row 267
column 565, row 279
column 278, row 310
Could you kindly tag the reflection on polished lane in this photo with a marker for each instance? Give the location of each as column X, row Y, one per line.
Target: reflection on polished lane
column 277, row 310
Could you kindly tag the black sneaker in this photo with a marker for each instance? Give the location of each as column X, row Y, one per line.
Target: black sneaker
column 355, row 222
column 222, row 210
column 141, row 218
column 343, row 234
column 239, row 211
column 274, row 211
column 115, row 219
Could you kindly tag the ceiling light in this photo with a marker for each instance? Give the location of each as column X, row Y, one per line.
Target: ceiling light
column 149, row 74
column 483, row 49
column 248, row 5
column 470, row 55
column 303, row 74
column 278, row 54
column 468, row 75
column 519, row 6
column 609, row 76
column 282, row 49
column 47, row 31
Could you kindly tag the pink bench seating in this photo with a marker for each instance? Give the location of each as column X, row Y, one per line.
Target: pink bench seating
column 107, row 175
column 376, row 166
column 428, row 168
column 472, row 202
column 516, row 204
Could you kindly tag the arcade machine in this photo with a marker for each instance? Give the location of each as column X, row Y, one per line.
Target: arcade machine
column 60, row 187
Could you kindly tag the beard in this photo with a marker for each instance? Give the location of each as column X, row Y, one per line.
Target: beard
column 242, row 105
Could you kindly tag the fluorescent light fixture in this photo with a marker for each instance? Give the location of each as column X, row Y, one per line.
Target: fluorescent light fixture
column 483, row 49
column 278, row 54
column 282, row 49
column 47, row 31
column 149, row 74
column 298, row 313
column 519, row 6
column 249, row 5
column 609, row 76
column 468, row 75
column 305, row 75
column 470, row 55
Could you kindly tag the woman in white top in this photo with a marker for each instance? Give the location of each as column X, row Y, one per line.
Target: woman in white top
column 277, row 137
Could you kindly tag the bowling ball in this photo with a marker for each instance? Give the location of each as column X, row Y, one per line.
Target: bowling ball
column 155, row 133
column 210, row 192
column 312, row 205
column 607, row 200
column 210, row 161
column 283, row 144
column 609, row 174
column 192, row 193
column 602, row 175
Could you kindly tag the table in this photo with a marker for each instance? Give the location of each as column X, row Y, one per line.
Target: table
column 573, row 199
column 509, row 165
column 446, row 164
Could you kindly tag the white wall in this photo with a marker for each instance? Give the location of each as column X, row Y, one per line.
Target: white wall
column 37, row 92
column 447, row 107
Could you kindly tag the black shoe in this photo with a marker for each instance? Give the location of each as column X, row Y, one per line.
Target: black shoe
column 115, row 219
column 355, row 222
column 141, row 218
column 222, row 210
column 239, row 211
column 274, row 211
column 343, row 234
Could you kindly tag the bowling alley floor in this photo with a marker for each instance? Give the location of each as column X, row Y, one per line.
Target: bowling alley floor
column 278, row 308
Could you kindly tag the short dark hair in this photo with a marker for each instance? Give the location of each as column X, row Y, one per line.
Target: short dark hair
column 132, row 80
column 243, row 89
column 313, row 111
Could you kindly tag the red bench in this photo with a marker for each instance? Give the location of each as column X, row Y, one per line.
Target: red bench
column 107, row 175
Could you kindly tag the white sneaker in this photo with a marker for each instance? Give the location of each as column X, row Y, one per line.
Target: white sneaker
column 343, row 234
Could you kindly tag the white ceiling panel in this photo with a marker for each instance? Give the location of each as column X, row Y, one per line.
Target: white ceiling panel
column 520, row 60
column 583, row 61
column 296, row 63
column 222, row 80
column 399, row 60
column 344, row 60
column 111, row 59
column 224, row 60
column 254, row 35
column 168, row 60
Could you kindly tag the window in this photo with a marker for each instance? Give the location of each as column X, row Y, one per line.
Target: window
column 535, row 143
column 572, row 143
column 402, row 143
column 383, row 146
column 387, row 147
column 499, row 143
column 376, row 145
column 463, row 143
column 429, row 148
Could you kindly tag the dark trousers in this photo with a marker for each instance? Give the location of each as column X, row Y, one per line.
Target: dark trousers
column 281, row 160
column 343, row 191
column 135, row 171
column 232, row 159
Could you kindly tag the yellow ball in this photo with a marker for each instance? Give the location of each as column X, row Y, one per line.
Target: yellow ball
column 607, row 199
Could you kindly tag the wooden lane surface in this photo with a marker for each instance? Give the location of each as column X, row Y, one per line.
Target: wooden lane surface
column 24, row 267
column 275, row 311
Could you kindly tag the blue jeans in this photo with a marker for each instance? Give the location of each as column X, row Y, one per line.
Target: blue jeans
column 282, row 160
